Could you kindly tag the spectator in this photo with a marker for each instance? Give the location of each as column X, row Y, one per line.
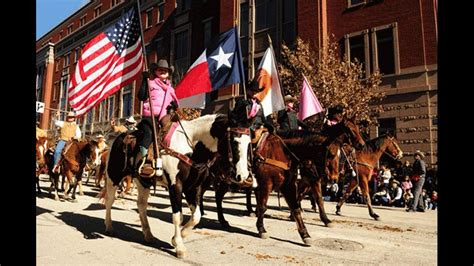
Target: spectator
column 434, row 200
column 408, row 198
column 406, row 169
column 418, row 179
column 380, row 197
column 398, row 171
column 406, row 184
column 356, row 196
column 395, row 194
column 386, row 175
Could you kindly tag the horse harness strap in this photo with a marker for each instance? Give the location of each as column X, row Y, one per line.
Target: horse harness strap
column 185, row 159
column 273, row 162
column 365, row 164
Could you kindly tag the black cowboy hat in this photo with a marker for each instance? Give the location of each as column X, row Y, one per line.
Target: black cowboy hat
column 254, row 86
column 162, row 63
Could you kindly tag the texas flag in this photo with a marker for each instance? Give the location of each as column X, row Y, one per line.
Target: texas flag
column 218, row 66
column 267, row 77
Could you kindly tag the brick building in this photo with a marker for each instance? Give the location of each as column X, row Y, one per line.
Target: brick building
column 398, row 37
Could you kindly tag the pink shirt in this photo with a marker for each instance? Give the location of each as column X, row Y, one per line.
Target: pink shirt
column 161, row 95
column 406, row 185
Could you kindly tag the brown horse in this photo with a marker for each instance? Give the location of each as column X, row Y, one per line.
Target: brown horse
column 277, row 162
column 364, row 163
column 73, row 162
column 41, row 149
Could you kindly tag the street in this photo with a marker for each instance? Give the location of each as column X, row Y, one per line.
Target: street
column 73, row 233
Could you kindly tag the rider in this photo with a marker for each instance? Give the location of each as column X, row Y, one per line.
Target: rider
column 288, row 118
column 162, row 96
column 40, row 132
column 101, row 143
column 334, row 115
column 130, row 125
column 68, row 130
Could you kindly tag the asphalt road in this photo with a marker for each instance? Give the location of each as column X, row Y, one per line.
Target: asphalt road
column 73, row 234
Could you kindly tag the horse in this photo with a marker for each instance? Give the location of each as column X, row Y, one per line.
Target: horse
column 204, row 139
column 41, row 149
column 364, row 162
column 72, row 163
column 276, row 164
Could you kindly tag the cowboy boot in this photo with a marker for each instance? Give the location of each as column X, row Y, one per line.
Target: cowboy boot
column 145, row 169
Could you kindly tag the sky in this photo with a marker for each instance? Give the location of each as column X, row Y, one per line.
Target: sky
column 49, row 13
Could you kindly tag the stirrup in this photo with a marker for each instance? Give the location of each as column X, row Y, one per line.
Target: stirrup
column 140, row 169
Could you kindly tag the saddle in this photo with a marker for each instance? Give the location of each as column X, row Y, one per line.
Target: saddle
column 258, row 134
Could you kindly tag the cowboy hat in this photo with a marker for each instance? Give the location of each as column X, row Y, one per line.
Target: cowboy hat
column 162, row 63
column 418, row 152
column 395, row 181
column 131, row 120
column 290, row 98
column 71, row 114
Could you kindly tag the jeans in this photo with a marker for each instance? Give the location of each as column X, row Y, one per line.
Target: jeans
column 417, row 199
column 58, row 150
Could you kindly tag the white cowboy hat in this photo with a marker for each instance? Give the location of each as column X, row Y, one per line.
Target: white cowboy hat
column 131, row 120
column 420, row 153
column 100, row 136
column 290, row 98
column 71, row 114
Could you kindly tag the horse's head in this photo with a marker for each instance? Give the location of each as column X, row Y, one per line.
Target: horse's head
column 93, row 150
column 41, row 148
column 352, row 130
column 238, row 141
column 393, row 148
column 333, row 156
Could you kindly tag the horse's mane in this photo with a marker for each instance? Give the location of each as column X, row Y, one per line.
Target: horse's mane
column 375, row 144
column 306, row 139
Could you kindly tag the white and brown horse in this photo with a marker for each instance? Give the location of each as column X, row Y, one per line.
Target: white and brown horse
column 203, row 140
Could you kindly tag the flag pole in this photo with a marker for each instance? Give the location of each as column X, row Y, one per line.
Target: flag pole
column 155, row 142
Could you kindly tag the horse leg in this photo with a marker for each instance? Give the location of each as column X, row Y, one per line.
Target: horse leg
column 290, row 193
column 54, row 178
column 79, row 182
column 317, row 194
column 349, row 190
column 221, row 189
column 262, row 193
column 175, row 192
column 128, row 178
column 142, row 202
column 248, row 197
column 364, row 186
column 109, row 200
column 192, row 198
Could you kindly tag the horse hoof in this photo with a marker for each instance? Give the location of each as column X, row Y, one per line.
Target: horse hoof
column 308, row 241
column 81, row 193
column 252, row 214
column 225, row 224
column 264, row 235
column 314, row 209
column 330, row 225
column 149, row 239
column 376, row 217
column 180, row 254
column 73, row 200
column 338, row 213
column 56, row 198
column 109, row 232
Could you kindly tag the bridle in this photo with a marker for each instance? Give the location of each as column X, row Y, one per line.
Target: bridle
column 234, row 131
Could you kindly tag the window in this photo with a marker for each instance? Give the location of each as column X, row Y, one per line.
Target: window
column 56, row 65
column 89, row 116
column 207, row 31
column 102, row 111
column 127, row 102
column 66, row 60
column 82, row 21
column 76, row 55
column 357, row 49
column 110, row 107
column 160, row 48
column 289, row 24
column 161, row 13
column 244, row 27
column 69, row 29
column 387, row 125
column 114, row 2
column 63, row 96
column 55, row 90
column 39, row 83
column 351, row 3
column 60, row 35
column 385, row 51
column 183, row 5
column 265, row 14
column 149, row 18
column 181, row 51
column 97, row 11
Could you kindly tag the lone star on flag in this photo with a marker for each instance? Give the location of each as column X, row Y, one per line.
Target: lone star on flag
column 222, row 58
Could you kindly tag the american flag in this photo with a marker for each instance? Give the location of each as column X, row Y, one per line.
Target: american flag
column 111, row 60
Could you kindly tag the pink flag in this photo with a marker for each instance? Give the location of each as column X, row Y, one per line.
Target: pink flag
column 309, row 104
